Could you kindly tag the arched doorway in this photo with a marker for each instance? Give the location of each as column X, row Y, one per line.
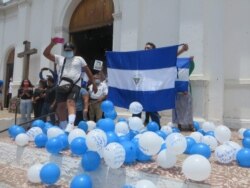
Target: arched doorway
column 91, row 29
column 8, row 75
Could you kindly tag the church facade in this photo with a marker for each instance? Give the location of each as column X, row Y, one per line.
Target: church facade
column 216, row 31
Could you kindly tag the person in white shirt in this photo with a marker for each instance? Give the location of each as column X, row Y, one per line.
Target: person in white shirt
column 95, row 111
column 70, row 67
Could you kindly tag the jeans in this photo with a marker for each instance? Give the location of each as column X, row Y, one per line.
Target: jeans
column 26, row 110
column 46, row 110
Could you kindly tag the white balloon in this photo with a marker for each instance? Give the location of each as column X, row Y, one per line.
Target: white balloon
column 167, row 129
column 135, row 123
column 54, row 132
column 96, row 140
column 208, row 126
column 196, row 167
column 150, row 143
column 236, row 147
column 91, row 125
column 224, row 154
column 114, row 155
column 33, row 132
column 171, row 124
column 135, row 107
column 241, row 132
column 145, row 184
column 33, row 173
column 210, row 141
column 22, row 139
column 176, row 143
column 166, row 159
column 121, row 128
column 197, row 136
column 75, row 133
column 222, row 133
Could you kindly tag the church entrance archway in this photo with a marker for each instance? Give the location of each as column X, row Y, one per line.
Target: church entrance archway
column 91, row 30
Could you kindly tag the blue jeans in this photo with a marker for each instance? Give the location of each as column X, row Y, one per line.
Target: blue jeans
column 25, row 110
column 46, row 110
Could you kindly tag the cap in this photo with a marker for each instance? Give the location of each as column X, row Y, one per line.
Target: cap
column 68, row 46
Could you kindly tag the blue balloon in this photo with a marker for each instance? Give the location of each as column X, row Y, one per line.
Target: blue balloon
column 196, row 125
column 211, row 133
column 246, row 142
column 106, row 124
column 201, row 149
column 50, row 173
column 107, row 106
column 112, row 114
column 152, row 126
column 127, row 186
column 243, row 157
column 124, row 138
column 201, row 131
column 41, row 140
column 54, row 145
column 246, row 133
column 161, row 134
column 83, row 125
column 190, row 143
column 175, row 130
column 112, row 137
column 140, row 156
column 11, row 130
column 122, row 119
column 90, row 161
column 133, row 134
column 64, row 139
column 78, row 146
column 17, row 130
column 38, row 123
column 130, row 149
column 163, row 146
column 81, row 181
column 46, row 127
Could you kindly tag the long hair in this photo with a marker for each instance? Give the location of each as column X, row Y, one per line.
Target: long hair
column 22, row 84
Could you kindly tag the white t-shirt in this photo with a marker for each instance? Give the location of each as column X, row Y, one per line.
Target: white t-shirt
column 102, row 90
column 72, row 68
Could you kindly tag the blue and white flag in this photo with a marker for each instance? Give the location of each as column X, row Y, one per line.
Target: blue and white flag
column 146, row 76
column 182, row 80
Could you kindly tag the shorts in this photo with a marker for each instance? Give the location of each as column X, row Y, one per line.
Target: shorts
column 73, row 95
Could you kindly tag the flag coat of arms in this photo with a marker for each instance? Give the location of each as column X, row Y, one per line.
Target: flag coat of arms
column 146, row 76
column 182, row 80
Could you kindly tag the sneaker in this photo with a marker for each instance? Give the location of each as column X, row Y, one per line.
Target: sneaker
column 69, row 127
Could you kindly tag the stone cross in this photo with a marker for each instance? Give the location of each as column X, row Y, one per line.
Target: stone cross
column 26, row 58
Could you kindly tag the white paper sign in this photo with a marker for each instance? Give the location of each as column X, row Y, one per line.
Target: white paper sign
column 98, row 65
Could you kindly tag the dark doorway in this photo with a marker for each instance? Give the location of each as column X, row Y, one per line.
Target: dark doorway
column 93, row 43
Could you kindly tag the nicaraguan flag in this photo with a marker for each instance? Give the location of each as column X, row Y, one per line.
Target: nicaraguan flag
column 182, row 80
column 146, row 76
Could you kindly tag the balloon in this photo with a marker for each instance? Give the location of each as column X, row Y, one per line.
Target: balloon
column 130, row 149
column 150, row 143
column 83, row 125
column 175, row 130
column 76, row 133
column 246, row 133
column 166, row 129
column 33, row 173
column 54, row 132
column 64, row 140
column 208, row 126
column 107, row 106
column 38, row 123
column 114, row 155
column 111, row 137
column 135, row 123
column 201, row 149
column 176, row 143
column 135, row 107
column 161, row 134
column 236, row 147
column 121, row 128
column 210, row 141
column 33, row 132
column 241, row 132
column 152, row 126
column 17, row 130
column 41, row 140
column 166, row 159
column 243, row 157
column 196, row 167
column 246, row 142
column 222, row 133
column 46, row 127
column 211, row 133
column 196, row 125
column 11, row 130
column 78, row 146
column 96, row 140
column 197, row 136
column 224, row 154
column 91, row 125
column 106, row 124
column 201, row 131
column 190, row 143
column 50, row 173
column 140, row 156
column 122, row 119
column 54, row 145
column 144, row 184
column 111, row 114
column 90, row 161
column 81, row 181
column 22, row 139
column 124, row 138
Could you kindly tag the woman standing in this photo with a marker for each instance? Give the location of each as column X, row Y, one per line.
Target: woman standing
column 25, row 93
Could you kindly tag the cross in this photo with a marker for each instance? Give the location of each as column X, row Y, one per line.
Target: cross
column 26, row 58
